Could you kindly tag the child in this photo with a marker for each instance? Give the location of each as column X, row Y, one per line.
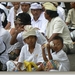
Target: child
column 58, row 56
column 32, row 48
column 31, row 51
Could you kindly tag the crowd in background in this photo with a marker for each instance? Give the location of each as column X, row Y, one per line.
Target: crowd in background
column 38, row 32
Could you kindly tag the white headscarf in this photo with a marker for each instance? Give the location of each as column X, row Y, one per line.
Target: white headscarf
column 2, row 45
column 0, row 22
column 29, row 30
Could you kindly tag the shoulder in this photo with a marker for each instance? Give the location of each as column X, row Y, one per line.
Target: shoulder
column 71, row 10
column 24, row 48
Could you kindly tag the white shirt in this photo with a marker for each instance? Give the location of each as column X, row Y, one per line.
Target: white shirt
column 25, row 54
column 63, row 60
column 41, row 23
column 6, row 36
column 4, row 8
column 57, row 25
column 10, row 17
column 61, row 12
column 3, row 57
column 71, row 16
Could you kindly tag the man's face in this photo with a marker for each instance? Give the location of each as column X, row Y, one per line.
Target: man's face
column 16, row 5
column 72, row 4
column 25, row 7
column 36, row 13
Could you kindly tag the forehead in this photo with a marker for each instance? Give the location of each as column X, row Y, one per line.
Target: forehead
column 35, row 9
column 25, row 4
column 57, row 41
column 15, row 3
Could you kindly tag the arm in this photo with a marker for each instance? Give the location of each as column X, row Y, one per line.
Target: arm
column 8, row 25
column 48, row 50
column 13, row 39
column 16, row 32
column 19, row 64
column 44, row 55
column 53, row 35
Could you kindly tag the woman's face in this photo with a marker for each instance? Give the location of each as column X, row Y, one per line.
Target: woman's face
column 46, row 16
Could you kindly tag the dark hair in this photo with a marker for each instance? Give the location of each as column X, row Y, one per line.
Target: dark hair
column 58, row 38
column 1, row 66
column 51, row 13
column 59, row 3
column 25, row 18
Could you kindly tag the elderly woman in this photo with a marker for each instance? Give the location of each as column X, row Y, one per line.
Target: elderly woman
column 57, row 27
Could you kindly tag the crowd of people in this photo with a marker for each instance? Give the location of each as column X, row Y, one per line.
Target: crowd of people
column 35, row 36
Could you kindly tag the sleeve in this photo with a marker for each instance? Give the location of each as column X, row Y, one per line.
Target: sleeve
column 40, row 58
column 58, row 27
column 59, row 57
column 40, row 38
column 19, row 37
column 68, row 19
column 21, row 56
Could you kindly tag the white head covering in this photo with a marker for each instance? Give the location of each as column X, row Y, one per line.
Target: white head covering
column 3, row 3
column 2, row 45
column 28, row 31
column 25, row 2
column 0, row 22
column 56, row 3
column 49, row 6
column 36, row 6
column 9, row 4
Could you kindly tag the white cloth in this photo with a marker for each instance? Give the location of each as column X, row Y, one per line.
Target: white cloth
column 41, row 23
column 57, row 25
column 29, row 30
column 61, row 12
column 36, row 6
column 10, row 17
column 2, row 45
column 0, row 22
column 62, row 4
column 3, row 57
column 71, row 16
column 5, row 35
column 49, row 6
column 61, row 57
column 4, row 8
column 25, row 54
column 10, row 4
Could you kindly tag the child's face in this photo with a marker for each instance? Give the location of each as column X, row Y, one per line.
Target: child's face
column 31, row 40
column 57, row 45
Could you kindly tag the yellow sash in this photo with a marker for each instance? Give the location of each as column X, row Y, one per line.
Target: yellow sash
column 28, row 65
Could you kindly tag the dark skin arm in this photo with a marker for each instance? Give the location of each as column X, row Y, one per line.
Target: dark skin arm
column 44, row 55
column 13, row 39
column 53, row 35
column 16, row 32
column 19, row 64
column 48, row 45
